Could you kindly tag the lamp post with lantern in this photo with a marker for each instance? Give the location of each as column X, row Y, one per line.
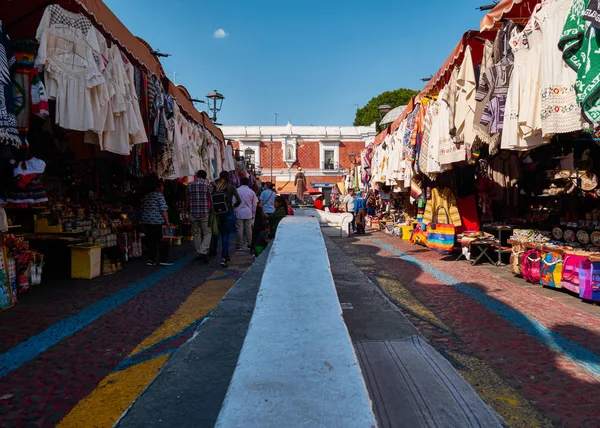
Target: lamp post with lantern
column 215, row 102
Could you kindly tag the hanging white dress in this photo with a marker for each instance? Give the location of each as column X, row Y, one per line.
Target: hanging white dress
column 69, row 51
column 560, row 111
column 465, row 101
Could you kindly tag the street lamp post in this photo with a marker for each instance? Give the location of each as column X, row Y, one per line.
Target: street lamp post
column 272, row 159
column 215, row 102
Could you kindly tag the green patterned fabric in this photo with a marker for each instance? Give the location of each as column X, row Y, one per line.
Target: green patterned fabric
column 580, row 45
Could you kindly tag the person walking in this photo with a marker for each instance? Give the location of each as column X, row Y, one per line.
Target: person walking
column 360, row 211
column 349, row 206
column 223, row 207
column 197, row 205
column 267, row 197
column 154, row 214
column 245, row 213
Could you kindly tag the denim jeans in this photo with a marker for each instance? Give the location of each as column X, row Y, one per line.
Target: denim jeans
column 226, row 228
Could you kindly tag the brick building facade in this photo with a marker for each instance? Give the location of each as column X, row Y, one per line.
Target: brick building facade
column 323, row 152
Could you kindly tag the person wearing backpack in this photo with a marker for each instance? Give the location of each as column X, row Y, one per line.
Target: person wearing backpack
column 223, row 207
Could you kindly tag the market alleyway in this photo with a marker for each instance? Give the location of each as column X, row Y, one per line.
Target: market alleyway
column 533, row 354
column 81, row 348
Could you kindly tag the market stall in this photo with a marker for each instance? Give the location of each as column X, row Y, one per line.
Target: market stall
column 502, row 143
column 87, row 119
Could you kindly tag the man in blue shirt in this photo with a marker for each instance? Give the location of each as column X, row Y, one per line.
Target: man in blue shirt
column 360, row 210
column 267, row 199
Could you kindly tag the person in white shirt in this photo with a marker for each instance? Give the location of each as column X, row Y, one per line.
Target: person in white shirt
column 349, row 205
column 267, row 197
column 245, row 213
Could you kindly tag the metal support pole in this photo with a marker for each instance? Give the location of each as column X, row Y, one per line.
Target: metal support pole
column 272, row 159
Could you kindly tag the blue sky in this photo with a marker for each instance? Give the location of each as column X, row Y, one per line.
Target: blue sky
column 310, row 61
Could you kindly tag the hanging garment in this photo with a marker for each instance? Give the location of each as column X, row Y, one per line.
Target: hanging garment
column 580, row 45
column 506, row 173
column 9, row 135
column 522, row 128
column 442, row 198
column 482, row 135
column 465, row 101
column 446, row 151
column 467, row 208
column 27, row 188
column 69, row 48
column 560, row 111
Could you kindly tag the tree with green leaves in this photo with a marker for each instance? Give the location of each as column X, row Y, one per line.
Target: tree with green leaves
column 370, row 113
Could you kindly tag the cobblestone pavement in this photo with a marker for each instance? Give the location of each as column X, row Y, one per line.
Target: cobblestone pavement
column 73, row 346
column 535, row 359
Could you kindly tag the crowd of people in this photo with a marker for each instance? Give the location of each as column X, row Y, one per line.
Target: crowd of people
column 354, row 203
column 215, row 211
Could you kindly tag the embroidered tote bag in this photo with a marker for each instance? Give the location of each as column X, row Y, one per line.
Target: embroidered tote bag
column 551, row 268
column 589, row 281
column 531, row 266
column 570, row 272
column 440, row 236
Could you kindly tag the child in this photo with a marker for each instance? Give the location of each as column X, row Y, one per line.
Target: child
column 262, row 240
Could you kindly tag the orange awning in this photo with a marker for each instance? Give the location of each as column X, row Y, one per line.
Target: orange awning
column 518, row 11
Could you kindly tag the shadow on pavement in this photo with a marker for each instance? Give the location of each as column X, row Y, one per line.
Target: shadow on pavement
column 550, row 367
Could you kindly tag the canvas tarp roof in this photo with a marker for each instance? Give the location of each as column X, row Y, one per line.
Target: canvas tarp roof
column 21, row 20
column 518, row 11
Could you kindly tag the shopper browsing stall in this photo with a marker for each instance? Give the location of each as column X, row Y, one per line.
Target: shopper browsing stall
column 154, row 215
column 198, row 209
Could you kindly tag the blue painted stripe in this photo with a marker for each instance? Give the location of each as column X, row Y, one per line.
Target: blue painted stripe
column 35, row 345
column 580, row 355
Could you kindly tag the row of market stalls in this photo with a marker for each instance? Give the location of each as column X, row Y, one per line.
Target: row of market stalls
column 88, row 119
column 498, row 156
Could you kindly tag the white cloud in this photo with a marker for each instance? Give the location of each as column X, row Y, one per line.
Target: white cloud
column 220, row 34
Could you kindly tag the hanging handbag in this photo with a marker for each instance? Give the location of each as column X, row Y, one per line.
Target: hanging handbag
column 531, row 266
column 570, row 272
column 589, row 281
column 551, row 267
column 441, row 236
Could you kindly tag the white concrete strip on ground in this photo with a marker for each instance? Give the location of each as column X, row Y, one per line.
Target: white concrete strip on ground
column 297, row 367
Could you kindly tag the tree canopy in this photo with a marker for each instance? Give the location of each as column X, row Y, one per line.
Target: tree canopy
column 368, row 114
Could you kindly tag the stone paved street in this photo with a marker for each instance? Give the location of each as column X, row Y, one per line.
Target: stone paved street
column 535, row 359
column 65, row 339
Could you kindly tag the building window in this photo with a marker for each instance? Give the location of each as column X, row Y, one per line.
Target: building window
column 250, row 156
column 329, row 159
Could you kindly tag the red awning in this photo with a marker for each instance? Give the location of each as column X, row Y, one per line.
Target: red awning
column 518, row 11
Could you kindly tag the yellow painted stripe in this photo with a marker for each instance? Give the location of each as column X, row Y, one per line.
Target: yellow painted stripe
column 202, row 300
column 105, row 405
